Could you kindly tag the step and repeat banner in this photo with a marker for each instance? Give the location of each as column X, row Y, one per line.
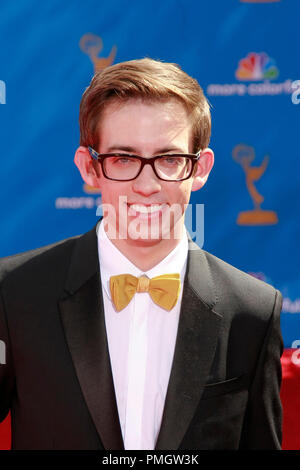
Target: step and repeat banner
column 245, row 55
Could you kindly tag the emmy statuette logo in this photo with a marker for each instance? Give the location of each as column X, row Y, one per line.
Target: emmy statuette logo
column 244, row 156
column 92, row 45
column 90, row 189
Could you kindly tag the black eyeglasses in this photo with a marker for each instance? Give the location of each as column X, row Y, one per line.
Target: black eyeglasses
column 127, row 167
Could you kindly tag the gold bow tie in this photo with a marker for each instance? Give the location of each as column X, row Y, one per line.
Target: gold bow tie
column 164, row 290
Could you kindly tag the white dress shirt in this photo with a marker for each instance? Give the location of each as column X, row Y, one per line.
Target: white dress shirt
column 141, row 342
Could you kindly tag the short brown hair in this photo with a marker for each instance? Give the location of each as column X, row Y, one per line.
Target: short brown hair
column 151, row 80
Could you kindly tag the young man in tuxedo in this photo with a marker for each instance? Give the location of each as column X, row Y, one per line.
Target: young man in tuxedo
column 131, row 336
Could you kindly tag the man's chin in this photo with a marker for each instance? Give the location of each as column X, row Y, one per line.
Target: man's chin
column 149, row 235
column 142, row 231
column 143, row 242
column 145, row 232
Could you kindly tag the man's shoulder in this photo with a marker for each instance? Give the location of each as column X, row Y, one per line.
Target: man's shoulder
column 27, row 260
column 238, row 291
column 237, row 276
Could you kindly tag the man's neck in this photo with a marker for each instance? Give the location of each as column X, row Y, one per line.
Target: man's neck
column 146, row 254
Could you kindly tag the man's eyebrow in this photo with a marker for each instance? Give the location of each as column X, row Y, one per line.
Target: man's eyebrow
column 128, row 149
column 123, row 148
column 170, row 149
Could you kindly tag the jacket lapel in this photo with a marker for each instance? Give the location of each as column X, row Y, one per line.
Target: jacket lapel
column 194, row 350
column 82, row 316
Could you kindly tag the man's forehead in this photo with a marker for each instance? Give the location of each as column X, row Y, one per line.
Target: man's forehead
column 138, row 113
column 116, row 105
column 151, row 126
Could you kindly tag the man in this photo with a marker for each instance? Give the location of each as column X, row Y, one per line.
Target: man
column 131, row 336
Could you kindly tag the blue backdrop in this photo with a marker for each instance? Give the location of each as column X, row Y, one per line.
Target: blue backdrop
column 246, row 57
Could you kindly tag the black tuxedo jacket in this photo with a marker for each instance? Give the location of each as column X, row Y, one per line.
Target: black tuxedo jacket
column 57, row 381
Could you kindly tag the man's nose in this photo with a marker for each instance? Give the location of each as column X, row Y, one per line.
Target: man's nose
column 147, row 182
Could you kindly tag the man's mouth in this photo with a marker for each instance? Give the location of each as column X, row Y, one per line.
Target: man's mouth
column 146, row 211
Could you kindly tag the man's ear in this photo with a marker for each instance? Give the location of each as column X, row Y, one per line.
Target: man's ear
column 90, row 171
column 204, row 167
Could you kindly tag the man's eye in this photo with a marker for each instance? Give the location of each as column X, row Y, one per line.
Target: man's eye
column 171, row 160
column 122, row 160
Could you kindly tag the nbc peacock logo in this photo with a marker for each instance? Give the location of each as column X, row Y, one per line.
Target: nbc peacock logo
column 257, row 66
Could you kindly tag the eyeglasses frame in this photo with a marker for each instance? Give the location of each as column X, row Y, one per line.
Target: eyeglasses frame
column 100, row 157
